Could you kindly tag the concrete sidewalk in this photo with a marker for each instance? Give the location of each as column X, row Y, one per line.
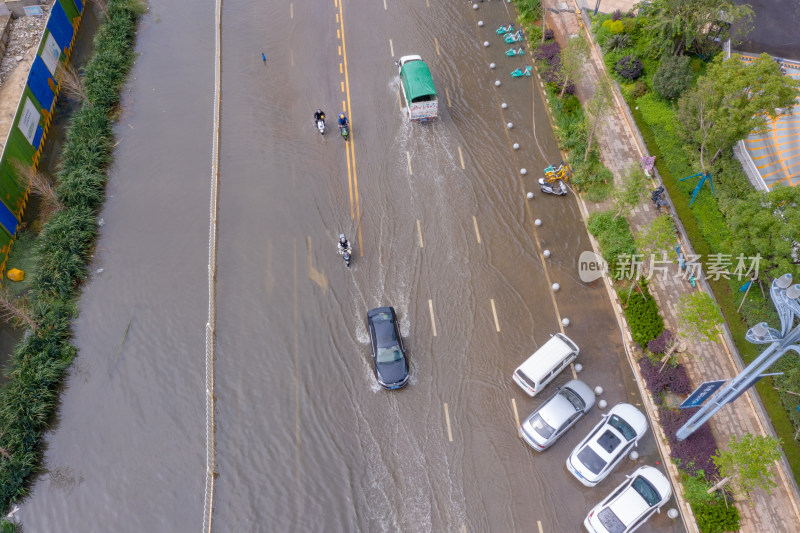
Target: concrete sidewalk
column 621, row 146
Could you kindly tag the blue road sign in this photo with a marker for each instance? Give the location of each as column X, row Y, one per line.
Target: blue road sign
column 702, row 393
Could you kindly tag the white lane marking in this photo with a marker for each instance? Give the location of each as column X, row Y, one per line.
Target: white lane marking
column 384, row 5
column 516, row 414
column 419, row 232
column 494, row 312
column 433, row 320
column 291, row 10
column 447, row 418
column 436, row 42
column 391, row 47
column 539, row 523
column 408, row 158
column 477, row 231
column 461, row 157
column 447, row 94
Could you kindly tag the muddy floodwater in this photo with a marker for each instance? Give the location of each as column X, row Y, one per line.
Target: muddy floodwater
column 442, row 231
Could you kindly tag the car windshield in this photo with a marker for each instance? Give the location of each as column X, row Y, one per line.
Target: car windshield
column 389, row 355
column 622, row 426
column 542, row 428
column 646, row 491
column 593, row 462
column 526, row 379
column 610, row 521
column 573, row 398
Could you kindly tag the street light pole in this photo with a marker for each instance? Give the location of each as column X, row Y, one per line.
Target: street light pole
column 785, row 297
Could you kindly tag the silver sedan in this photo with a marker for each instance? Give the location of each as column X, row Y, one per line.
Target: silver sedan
column 557, row 414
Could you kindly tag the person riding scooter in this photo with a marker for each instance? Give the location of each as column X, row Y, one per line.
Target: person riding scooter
column 344, row 245
column 343, row 122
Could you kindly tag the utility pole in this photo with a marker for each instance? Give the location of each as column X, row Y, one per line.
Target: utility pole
column 786, row 298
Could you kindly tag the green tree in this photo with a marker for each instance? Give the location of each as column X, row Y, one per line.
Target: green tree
column 658, row 237
column 699, row 316
column 746, row 464
column 766, row 224
column 673, row 76
column 631, row 192
column 729, row 102
column 597, row 108
column 700, row 25
column 573, row 58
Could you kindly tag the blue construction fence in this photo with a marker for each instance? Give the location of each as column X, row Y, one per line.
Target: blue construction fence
column 25, row 142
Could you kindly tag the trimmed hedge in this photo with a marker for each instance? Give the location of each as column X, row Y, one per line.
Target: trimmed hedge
column 40, row 361
column 642, row 315
column 716, row 516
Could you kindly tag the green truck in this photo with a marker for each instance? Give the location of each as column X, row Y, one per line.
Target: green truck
column 418, row 89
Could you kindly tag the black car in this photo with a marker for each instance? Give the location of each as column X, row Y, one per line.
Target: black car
column 388, row 355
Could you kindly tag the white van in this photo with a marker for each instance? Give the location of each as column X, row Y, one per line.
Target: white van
column 545, row 363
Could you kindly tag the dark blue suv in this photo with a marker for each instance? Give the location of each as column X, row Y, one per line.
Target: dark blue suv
column 388, row 355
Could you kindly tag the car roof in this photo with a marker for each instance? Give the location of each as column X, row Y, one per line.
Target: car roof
column 557, row 409
column 548, row 355
column 626, row 412
column 629, row 505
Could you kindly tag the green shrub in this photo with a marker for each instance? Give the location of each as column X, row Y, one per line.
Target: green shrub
column 672, row 77
column 613, row 237
column 716, row 517
column 697, row 64
column 617, row 42
column 616, row 27
column 639, row 90
column 641, row 312
column 529, row 10
column 6, row 526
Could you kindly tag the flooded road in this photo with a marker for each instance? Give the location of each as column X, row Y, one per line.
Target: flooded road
column 442, row 231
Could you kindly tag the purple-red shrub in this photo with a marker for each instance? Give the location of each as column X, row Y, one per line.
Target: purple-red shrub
column 616, row 15
column 549, row 34
column 679, row 382
column 673, row 378
column 548, row 52
column 695, row 452
column 661, row 343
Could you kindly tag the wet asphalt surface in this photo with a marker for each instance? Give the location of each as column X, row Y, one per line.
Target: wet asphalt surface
column 305, row 438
